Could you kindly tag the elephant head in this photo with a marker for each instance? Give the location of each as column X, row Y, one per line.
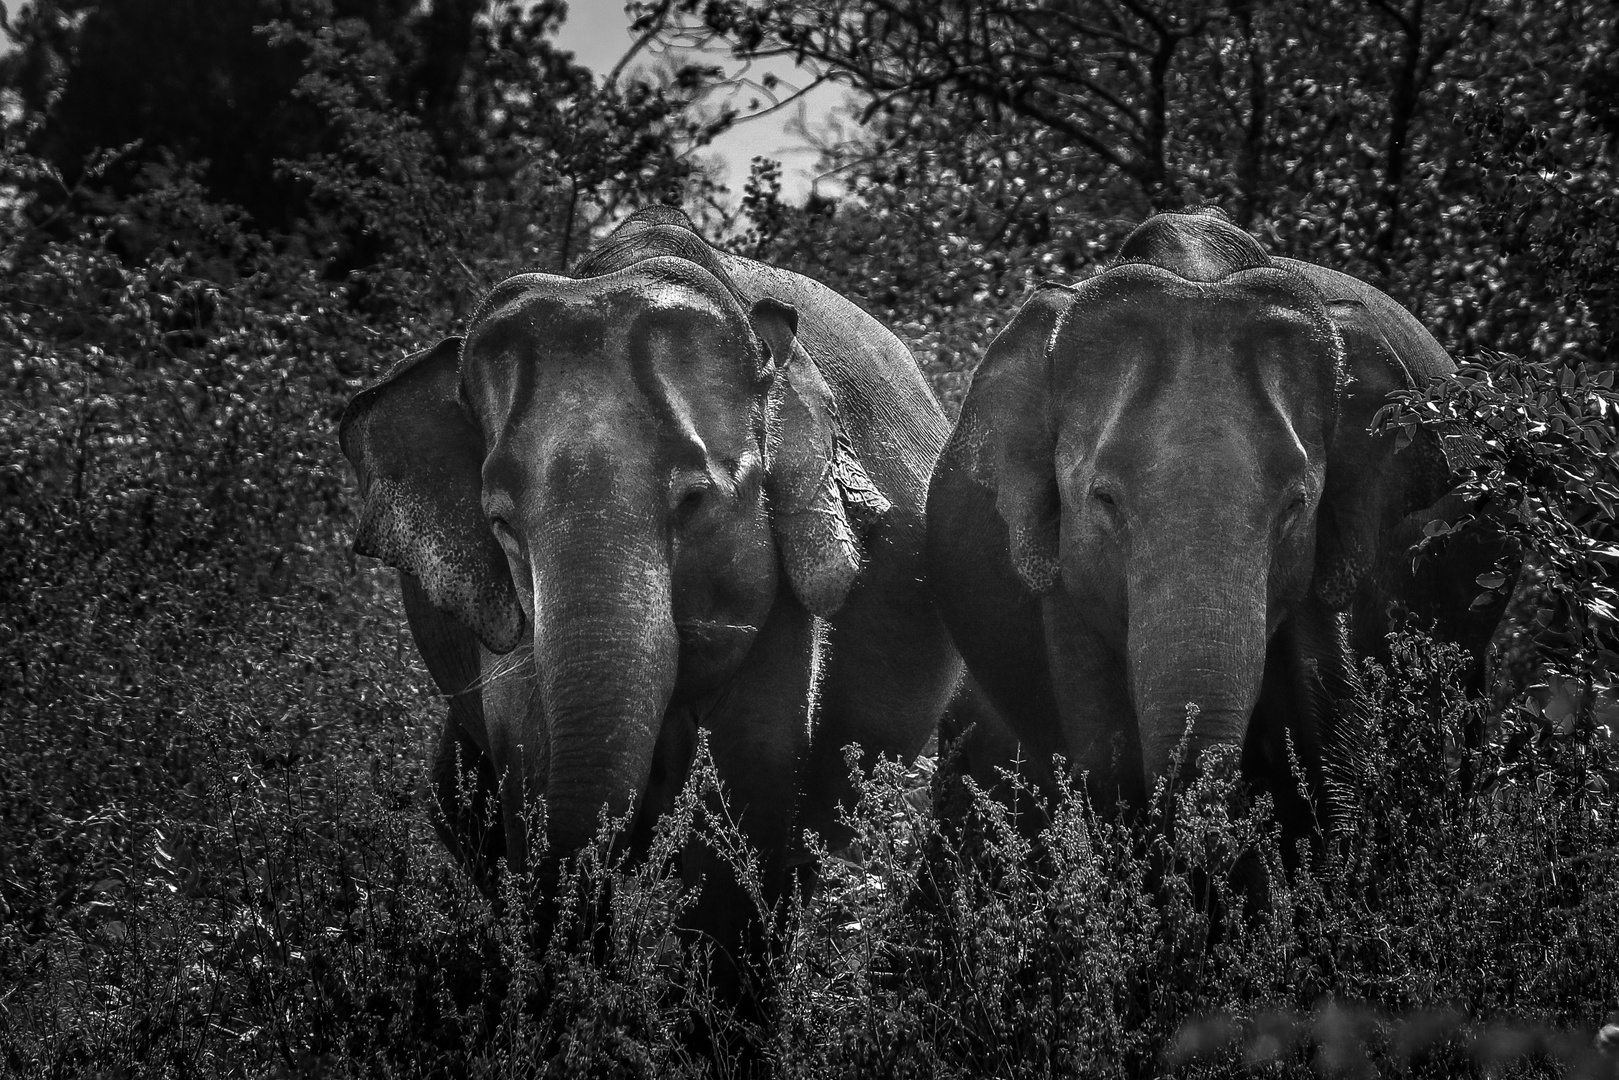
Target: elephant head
column 1154, row 471
column 616, row 480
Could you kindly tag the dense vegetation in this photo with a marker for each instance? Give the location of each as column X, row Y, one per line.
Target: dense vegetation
column 220, row 219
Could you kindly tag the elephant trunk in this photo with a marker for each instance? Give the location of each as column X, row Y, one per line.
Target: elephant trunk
column 605, row 649
column 1196, row 640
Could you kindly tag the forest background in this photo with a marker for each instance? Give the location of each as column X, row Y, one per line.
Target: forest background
column 220, row 218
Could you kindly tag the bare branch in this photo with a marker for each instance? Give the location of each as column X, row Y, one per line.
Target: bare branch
column 777, row 104
column 1401, row 18
column 659, row 17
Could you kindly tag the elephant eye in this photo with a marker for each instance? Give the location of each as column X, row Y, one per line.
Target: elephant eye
column 686, row 499
column 1294, row 512
column 504, row 533
column 1105, row 498
column 512, row 545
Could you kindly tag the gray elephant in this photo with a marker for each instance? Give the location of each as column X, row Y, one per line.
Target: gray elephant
column 681, row 490
column 1162, row 492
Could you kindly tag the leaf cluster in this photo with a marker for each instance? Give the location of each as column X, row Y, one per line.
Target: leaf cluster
column 1533, row 445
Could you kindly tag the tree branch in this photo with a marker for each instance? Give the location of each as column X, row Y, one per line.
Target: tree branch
column 655, row 22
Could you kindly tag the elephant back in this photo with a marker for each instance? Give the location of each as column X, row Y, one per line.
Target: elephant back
column 1202, row 246
column 1372, row 484
column 657, row 232
column 1419, row 354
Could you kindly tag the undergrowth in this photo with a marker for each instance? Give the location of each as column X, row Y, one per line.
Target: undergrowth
column 225, row 871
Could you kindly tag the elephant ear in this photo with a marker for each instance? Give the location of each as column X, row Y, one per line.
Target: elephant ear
column 993, row 516
column 1026, row 490
column 419, row 457
column 821, row 498
column 1371, row 482
column 1005, row 442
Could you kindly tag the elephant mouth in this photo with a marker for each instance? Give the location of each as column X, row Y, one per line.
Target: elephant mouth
column 712, row 632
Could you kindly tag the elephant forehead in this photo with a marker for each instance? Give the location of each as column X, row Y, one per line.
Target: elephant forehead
column 639, row 371
column 662, row 313
column 1264, row 320
column 552, row 313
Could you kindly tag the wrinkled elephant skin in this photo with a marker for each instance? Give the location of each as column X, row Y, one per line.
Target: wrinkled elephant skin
column 1162, row 492
column 682, row 490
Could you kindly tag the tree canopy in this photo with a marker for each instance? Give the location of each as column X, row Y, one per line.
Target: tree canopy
column 1425, row 145
column 308, row 115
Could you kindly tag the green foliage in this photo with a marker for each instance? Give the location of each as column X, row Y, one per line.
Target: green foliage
column 1466, row 895
column 210, row 856
column 1534, row 442
column 380, row 138
column 292, row 914
column 1549, row 196
column 1458, row 154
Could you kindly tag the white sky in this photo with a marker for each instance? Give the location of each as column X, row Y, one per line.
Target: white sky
column 597, row 32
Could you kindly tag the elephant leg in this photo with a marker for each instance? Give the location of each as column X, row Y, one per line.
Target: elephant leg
column 1094, row 706
column 759, row 733
column 468, row 803
column 1271, row 760
column 976, row 743
column 1443, row 587
column 1308, row 728
column 1437, row 593
column 889, row 674
column 671, row 766
column 469, row 818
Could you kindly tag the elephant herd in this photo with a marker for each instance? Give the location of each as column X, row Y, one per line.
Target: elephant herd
column 682, row 490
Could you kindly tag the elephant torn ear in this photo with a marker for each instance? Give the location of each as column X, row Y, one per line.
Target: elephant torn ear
column 777, row 326
column 419, row 457
column 821, row 496
column 864, row 502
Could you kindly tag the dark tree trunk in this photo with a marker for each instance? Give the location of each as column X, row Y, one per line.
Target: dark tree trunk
column 1402, row 109
column 1251, row 165
column 1154, row 167
column 446, row 31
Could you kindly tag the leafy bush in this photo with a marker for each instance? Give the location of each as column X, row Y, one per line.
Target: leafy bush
column 1534, row 444
column 291, row 914
column 1474, row 892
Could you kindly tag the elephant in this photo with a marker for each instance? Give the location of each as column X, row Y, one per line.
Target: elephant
column 1163, row 491
column 678, row 490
